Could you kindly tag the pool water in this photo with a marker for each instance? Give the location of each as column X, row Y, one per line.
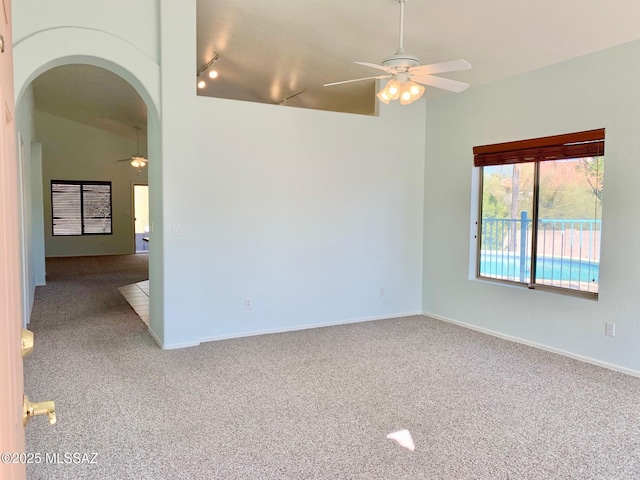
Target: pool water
column 547, row 268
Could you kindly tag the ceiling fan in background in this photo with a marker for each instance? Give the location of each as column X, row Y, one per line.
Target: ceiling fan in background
column 136, row 160
column 408, row 76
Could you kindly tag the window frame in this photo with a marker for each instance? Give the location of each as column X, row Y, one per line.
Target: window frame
column 81, row 184
column 558, row 147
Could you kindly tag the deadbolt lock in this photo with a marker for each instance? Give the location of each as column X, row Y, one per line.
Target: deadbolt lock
column 26, row 346
column 31, row 409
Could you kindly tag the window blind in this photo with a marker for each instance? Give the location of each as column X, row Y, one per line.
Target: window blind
column 573, row 145
column 81, row 208
column 96, row 204
column 67, row 209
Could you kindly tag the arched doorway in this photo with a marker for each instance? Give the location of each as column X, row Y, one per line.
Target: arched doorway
column 99, row 49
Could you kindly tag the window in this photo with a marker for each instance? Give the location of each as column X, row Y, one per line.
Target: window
column 541, row 212
column 81, row 208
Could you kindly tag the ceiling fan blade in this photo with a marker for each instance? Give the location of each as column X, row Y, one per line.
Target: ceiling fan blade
column 439, row 82
column 356, row 80
column 451, row 66
column 134, row 157
column 375, row 65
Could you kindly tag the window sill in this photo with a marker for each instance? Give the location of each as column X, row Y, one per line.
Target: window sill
column 540, row 287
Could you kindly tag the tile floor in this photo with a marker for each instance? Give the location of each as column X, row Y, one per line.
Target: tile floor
column 137, row 294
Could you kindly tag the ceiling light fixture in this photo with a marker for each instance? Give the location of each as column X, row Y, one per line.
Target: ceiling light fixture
column 138, row 162
column 212, row 73
column 407, row 74
column 400, row 87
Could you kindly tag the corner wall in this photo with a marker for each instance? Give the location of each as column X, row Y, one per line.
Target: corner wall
column 30, row 235
column 595, row 91
column 308, row 213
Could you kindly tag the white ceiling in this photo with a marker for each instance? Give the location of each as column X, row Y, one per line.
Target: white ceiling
column 269, row 49
column 93, row 96
column 272, row 49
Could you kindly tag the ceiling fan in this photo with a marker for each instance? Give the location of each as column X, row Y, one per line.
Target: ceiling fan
column 137, row 160
column 407, row 74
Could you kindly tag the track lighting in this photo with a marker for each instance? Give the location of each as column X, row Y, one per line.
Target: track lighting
column 294, row 94
column 212, row 73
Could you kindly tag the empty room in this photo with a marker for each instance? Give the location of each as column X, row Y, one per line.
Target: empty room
column 383, row 239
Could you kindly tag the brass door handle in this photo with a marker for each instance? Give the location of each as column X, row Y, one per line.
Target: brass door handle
column 26, row 347
column 31, row 409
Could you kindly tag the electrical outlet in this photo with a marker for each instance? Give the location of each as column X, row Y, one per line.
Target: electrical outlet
column 247, row 303
column 381, row 292
column 610, row 329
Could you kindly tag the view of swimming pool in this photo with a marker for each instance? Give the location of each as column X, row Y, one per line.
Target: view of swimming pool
column 547, row 268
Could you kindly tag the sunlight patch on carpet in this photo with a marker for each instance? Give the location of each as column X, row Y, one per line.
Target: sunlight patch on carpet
column 404, row 439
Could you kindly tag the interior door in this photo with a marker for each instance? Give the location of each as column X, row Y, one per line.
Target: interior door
column 11, row 380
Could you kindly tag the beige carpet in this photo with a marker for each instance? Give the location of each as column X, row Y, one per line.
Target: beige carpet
column 315, row 404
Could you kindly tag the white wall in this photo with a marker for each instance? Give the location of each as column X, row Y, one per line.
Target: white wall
column 136, row 22
column 178, row 325
column 37, row 215
column 30, row 233
column 595, row 91
column 73, row 151
column 307, row 212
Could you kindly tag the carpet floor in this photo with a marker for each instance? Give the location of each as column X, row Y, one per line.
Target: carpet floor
column 313, row 404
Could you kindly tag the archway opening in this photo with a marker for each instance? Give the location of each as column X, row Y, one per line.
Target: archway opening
column 81, row 125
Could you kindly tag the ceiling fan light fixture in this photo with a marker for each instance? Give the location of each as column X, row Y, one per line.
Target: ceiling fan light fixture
column 406, row 73
column 393, row 89
column 416, row 90
column 406, row 98
column 406, row 91
column 138, row 161
column 382, row 95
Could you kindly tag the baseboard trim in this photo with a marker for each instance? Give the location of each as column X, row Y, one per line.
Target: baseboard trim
column 540, row 346
column 171, row 346
column 295, row 328
column 155, row 337
column 176, row 346
column 90, row 255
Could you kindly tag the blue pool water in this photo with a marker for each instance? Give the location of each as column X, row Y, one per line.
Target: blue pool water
column 547, row 268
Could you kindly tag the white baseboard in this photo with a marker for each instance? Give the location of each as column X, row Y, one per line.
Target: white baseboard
column 90, row 255
column 155, row 337
column 176, row 346
column 294, row 328
column 582, row 358
column 172, row 346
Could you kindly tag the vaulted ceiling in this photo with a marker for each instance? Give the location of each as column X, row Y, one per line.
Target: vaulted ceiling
column 270, row 50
